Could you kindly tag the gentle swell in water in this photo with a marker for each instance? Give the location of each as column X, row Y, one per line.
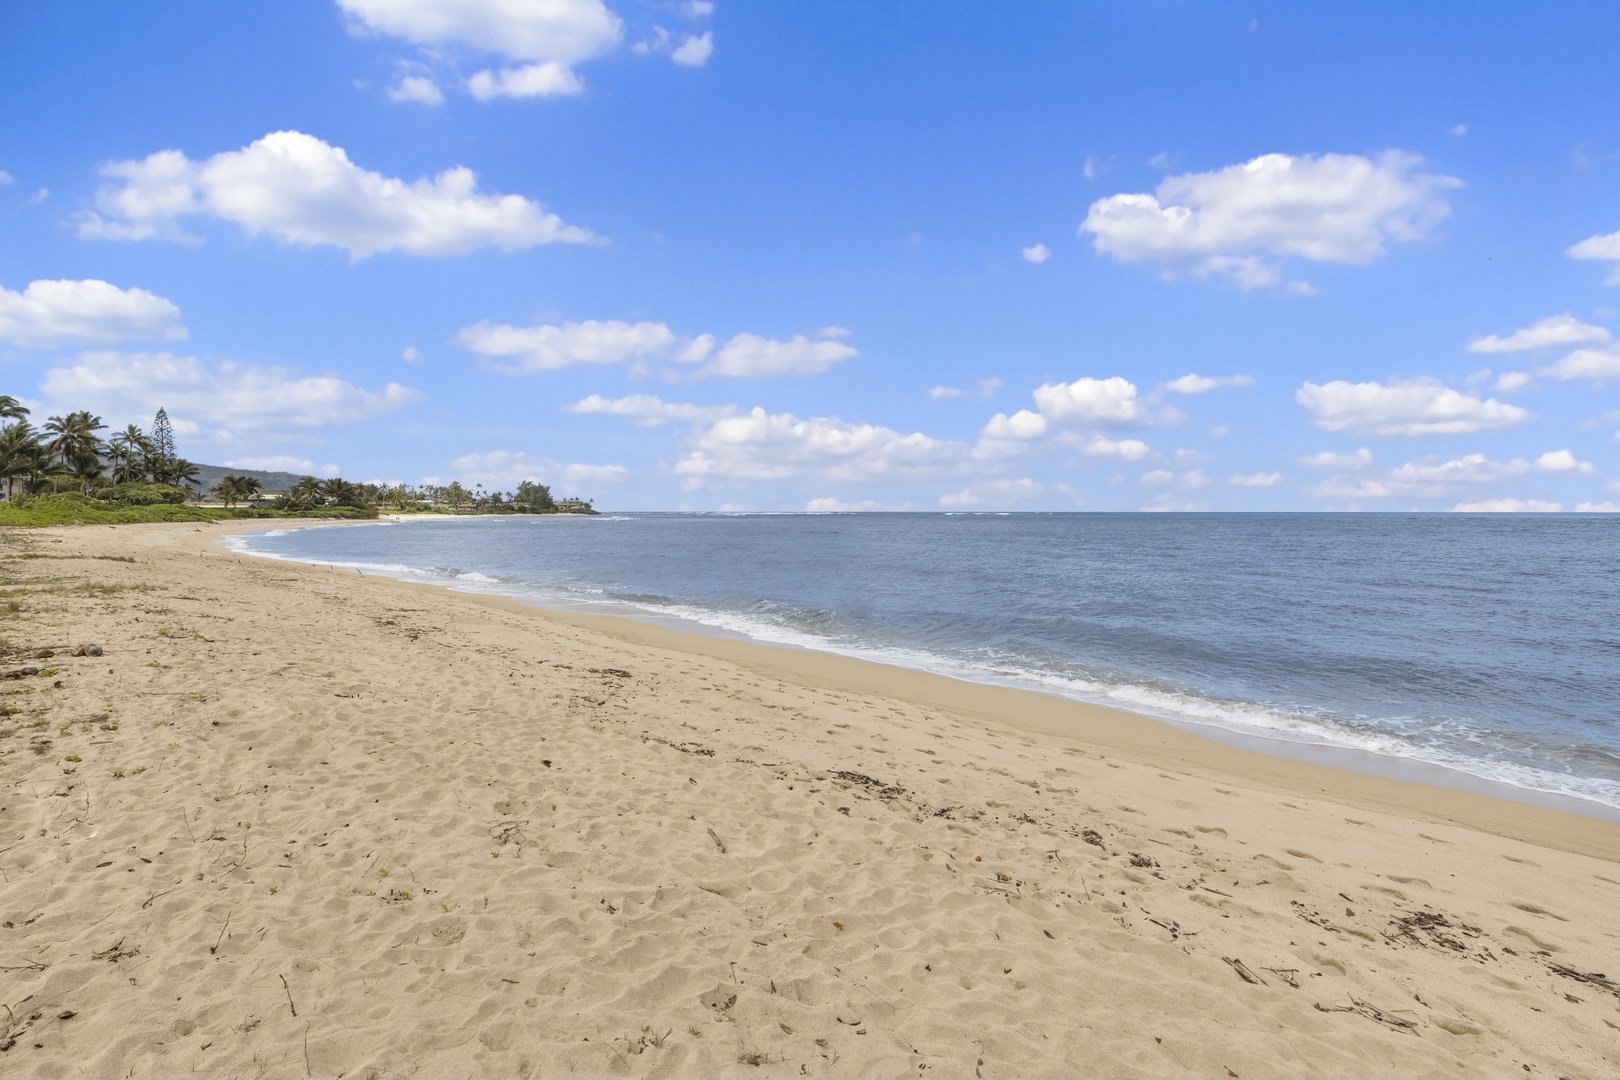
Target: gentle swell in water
column 1464, row 643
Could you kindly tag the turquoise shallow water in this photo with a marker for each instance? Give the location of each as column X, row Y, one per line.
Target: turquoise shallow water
column 1485, row 644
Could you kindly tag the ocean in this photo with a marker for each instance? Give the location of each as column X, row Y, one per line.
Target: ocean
column 1487, row 645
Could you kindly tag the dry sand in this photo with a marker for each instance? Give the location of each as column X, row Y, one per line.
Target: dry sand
column 297, row 822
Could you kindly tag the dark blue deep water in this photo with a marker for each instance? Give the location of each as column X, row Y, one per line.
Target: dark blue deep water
column 1487, row 644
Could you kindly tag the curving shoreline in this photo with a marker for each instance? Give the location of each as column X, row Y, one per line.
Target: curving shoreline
column 627, row 849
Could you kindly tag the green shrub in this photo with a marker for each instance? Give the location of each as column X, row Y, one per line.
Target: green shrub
column 136, row 494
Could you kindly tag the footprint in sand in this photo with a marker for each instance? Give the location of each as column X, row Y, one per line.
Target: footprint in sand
column 1540, row 943
column 1410, row 881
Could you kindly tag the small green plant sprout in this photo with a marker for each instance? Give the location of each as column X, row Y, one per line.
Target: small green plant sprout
column 173, row 745
column 65, row 730
column 118, row 772
column 109, row 727
column 73, row 757
column 751, row 1057
column 195, row 636
column 445, row 906
column 46, row 673
column 40, row 748
column 138, row 770
column 165, row 632
column 695, row 1032
column 382, row 871
column 272, row 890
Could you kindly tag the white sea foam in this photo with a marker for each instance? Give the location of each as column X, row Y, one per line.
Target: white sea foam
column 1238, row 717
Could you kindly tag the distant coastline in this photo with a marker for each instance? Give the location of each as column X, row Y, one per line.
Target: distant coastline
column 65, row 473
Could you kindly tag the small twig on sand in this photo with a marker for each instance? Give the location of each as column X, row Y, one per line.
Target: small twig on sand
column 214, row 948
column 717, row 842
column 287, row 988
column 1243, row 971
column 1372, row 1013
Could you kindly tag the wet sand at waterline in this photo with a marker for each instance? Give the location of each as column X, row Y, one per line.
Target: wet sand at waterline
column 324, row 824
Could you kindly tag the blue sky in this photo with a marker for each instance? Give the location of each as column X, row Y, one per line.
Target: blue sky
column 934, row 255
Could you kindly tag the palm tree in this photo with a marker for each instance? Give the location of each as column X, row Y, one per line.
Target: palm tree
column 304, row 495
column 232, row 489
column 182, row 473
column 86, row 468
column 339, row 492
column 225, row 489
column 20, row 452
column 11, row 408
column 73, row 441
column 129, row 452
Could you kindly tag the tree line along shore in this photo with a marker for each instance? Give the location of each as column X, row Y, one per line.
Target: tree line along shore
column 64, row 472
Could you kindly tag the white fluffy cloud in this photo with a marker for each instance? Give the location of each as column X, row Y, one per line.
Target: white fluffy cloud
column 770, row 446
column 1563, row 329
column 1598, row 364
column 749, row 356
column 418, row 88
column 305, row 192
column 1509, row 506
column 530, row 349
column 1433, row 478
column 1242, row 221
column 1113, row 400
column 524, row 350
column 1009, row 436
column 695, row 51
column 1203, row 384
column 1604, row 248
column 48, row 314
column 983, row 388
column 1256, row 480
column 545, row 38
column 1087, row 402
column 687, row 50
column 503, row 469
column 992, row 493
column 647, row 410
column 226, row 394
column 1411, row 407
column 1608, row 506
column 830, row 505
column 1103, row 447
column 1328, row 459
column 1036, row 253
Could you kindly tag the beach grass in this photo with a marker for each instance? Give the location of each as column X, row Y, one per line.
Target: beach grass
column 48, row 510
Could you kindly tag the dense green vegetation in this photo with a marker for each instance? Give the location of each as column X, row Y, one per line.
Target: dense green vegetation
column 65, row 473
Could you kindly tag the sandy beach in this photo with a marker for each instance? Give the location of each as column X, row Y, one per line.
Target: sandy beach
column 299, row 822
